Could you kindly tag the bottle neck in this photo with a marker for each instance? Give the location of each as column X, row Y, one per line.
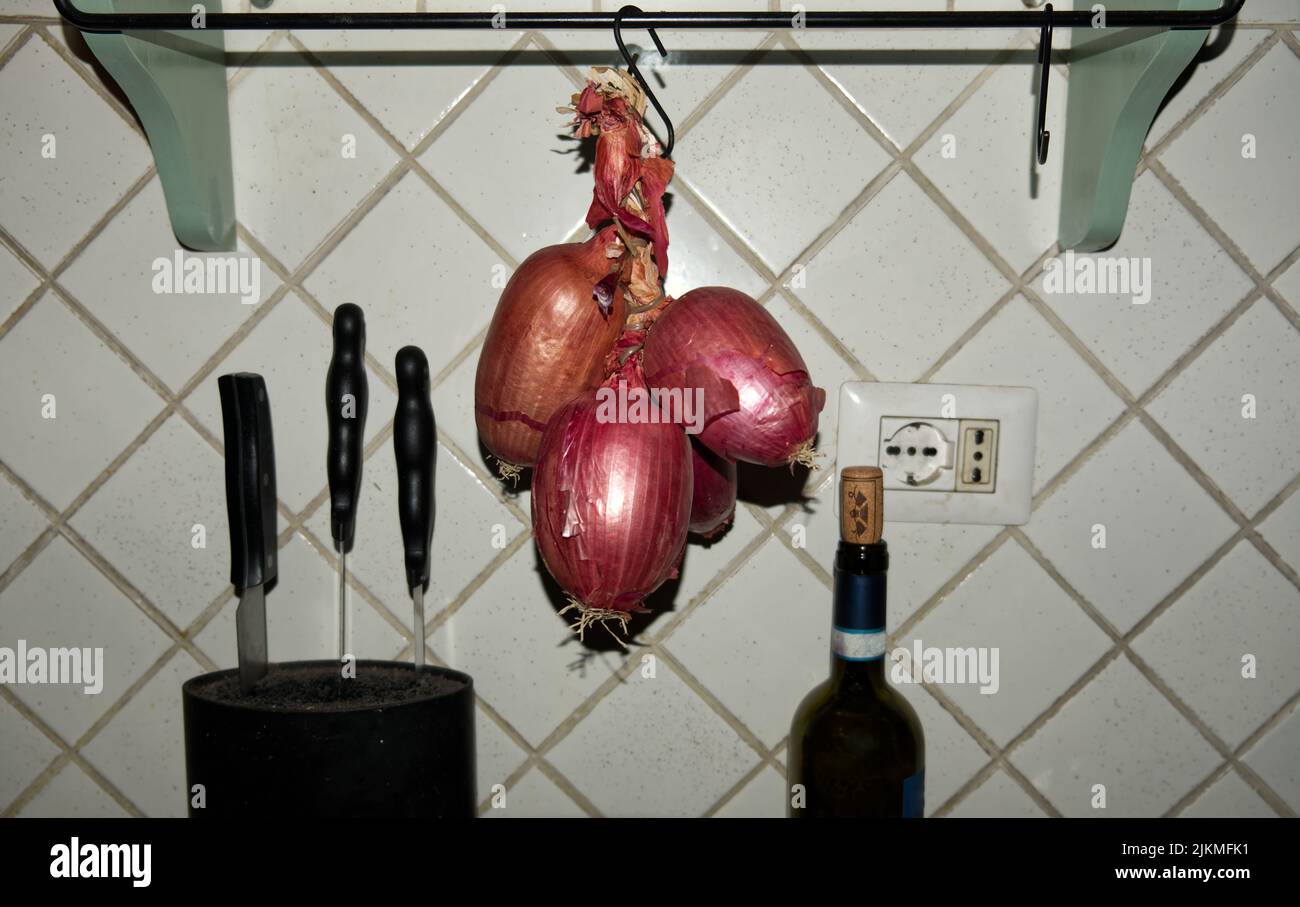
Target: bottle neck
column 858, row 631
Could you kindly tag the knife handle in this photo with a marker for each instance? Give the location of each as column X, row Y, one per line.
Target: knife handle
column 250, row 479
column 415, row 444
column 347, row 400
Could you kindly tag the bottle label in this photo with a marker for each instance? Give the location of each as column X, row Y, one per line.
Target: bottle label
column 857, row 645
column 914, row 796
column 858, row 631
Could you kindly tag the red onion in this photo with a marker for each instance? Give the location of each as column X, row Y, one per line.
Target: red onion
column 759, row 403
column 611, row 502
column 554, row 325
column 713, row 501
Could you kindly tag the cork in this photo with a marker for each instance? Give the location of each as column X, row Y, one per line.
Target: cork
column 862, row 492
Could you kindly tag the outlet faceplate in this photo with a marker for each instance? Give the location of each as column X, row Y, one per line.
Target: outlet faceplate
column 950, row 453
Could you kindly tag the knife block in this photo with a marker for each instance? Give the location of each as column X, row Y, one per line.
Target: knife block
column 388, row 744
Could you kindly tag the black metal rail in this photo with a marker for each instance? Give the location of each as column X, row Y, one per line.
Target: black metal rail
column 1118, row 18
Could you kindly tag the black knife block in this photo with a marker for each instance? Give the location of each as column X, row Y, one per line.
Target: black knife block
column 383, row 744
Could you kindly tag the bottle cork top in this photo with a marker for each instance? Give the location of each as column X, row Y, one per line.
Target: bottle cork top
column 862, row 493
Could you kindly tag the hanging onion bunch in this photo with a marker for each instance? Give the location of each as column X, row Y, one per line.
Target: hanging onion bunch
column 616, row 490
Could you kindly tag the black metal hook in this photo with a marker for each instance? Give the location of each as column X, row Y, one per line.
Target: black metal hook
column 1044, row 67
column 636, row 73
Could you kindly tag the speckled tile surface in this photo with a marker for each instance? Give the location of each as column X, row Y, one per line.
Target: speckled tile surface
column 376, row 169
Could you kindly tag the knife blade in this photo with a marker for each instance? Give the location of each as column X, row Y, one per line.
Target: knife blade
column 250, row 504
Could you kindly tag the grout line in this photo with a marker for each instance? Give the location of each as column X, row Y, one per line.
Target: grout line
column 770, row 526
column 1216, row 93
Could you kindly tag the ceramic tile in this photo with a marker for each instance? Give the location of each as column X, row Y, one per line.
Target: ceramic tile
column 508, row 161
column 998, row 798
column 1128, row 527
column 20, row 523
column 535, row 796
column 302, row 616
column 9, row 32
column 68, row 155
column 1237, row 190
column 142, row 750
column 1019, row 347
column 117, row 276
column 471, row 527
column 1205, row 408
column 1117, row 732
column 1201, row 656
column 62, row 601
column 410, row 80
column 16, row 283
column 1271, row 11
column 453, row 407
column 697, row 63
column 982, row 159
column 922, row 556
column 302, row 157
column 682, row 756
column 704, row 562
column 526, row 662
column 1044, row 641
column 27, row 752
column 51, row 359
column 828, row 370
column 814, row 526
column 766, row 165
column 1190, row 283
column 698, row 256
column 1288, row 285
column 779, row 184
column 1274, row 758
column 764, row 797
column 439, row 283
column 72, row 795
column 904, row 79
column 1282, row 530
column 1222, row 53
column 1229, row 798
column 161, row 520
column 496, row 756
column 773, row 613
column 952, row 756
column 291, row 349
column 874, row 280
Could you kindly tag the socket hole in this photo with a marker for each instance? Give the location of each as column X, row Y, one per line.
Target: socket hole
column 929, row 451
column 976, row 474
column 893, row 450
column 978, row 456
column 911, row 451
column 979, row 436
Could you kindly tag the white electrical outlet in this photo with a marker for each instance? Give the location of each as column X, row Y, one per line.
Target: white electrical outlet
column 950, row 453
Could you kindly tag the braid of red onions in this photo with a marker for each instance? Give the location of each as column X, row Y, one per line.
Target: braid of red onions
column 583, row 352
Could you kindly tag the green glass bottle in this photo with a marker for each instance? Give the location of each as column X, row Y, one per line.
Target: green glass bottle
column 856, row 747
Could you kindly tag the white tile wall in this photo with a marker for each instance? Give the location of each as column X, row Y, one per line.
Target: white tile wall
column 1121, row 666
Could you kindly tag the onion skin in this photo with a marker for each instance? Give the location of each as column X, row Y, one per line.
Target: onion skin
column 760, row 405
column 611, row 501
column 713, row 498
column 546, row 344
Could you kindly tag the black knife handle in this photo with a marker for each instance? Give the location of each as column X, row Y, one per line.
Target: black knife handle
column 415, row 443
column 347, row 399
column 250, row 479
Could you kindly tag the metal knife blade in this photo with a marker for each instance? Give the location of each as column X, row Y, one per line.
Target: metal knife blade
column 250, row 631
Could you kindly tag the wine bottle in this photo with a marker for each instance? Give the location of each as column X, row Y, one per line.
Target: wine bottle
column 856, row 747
